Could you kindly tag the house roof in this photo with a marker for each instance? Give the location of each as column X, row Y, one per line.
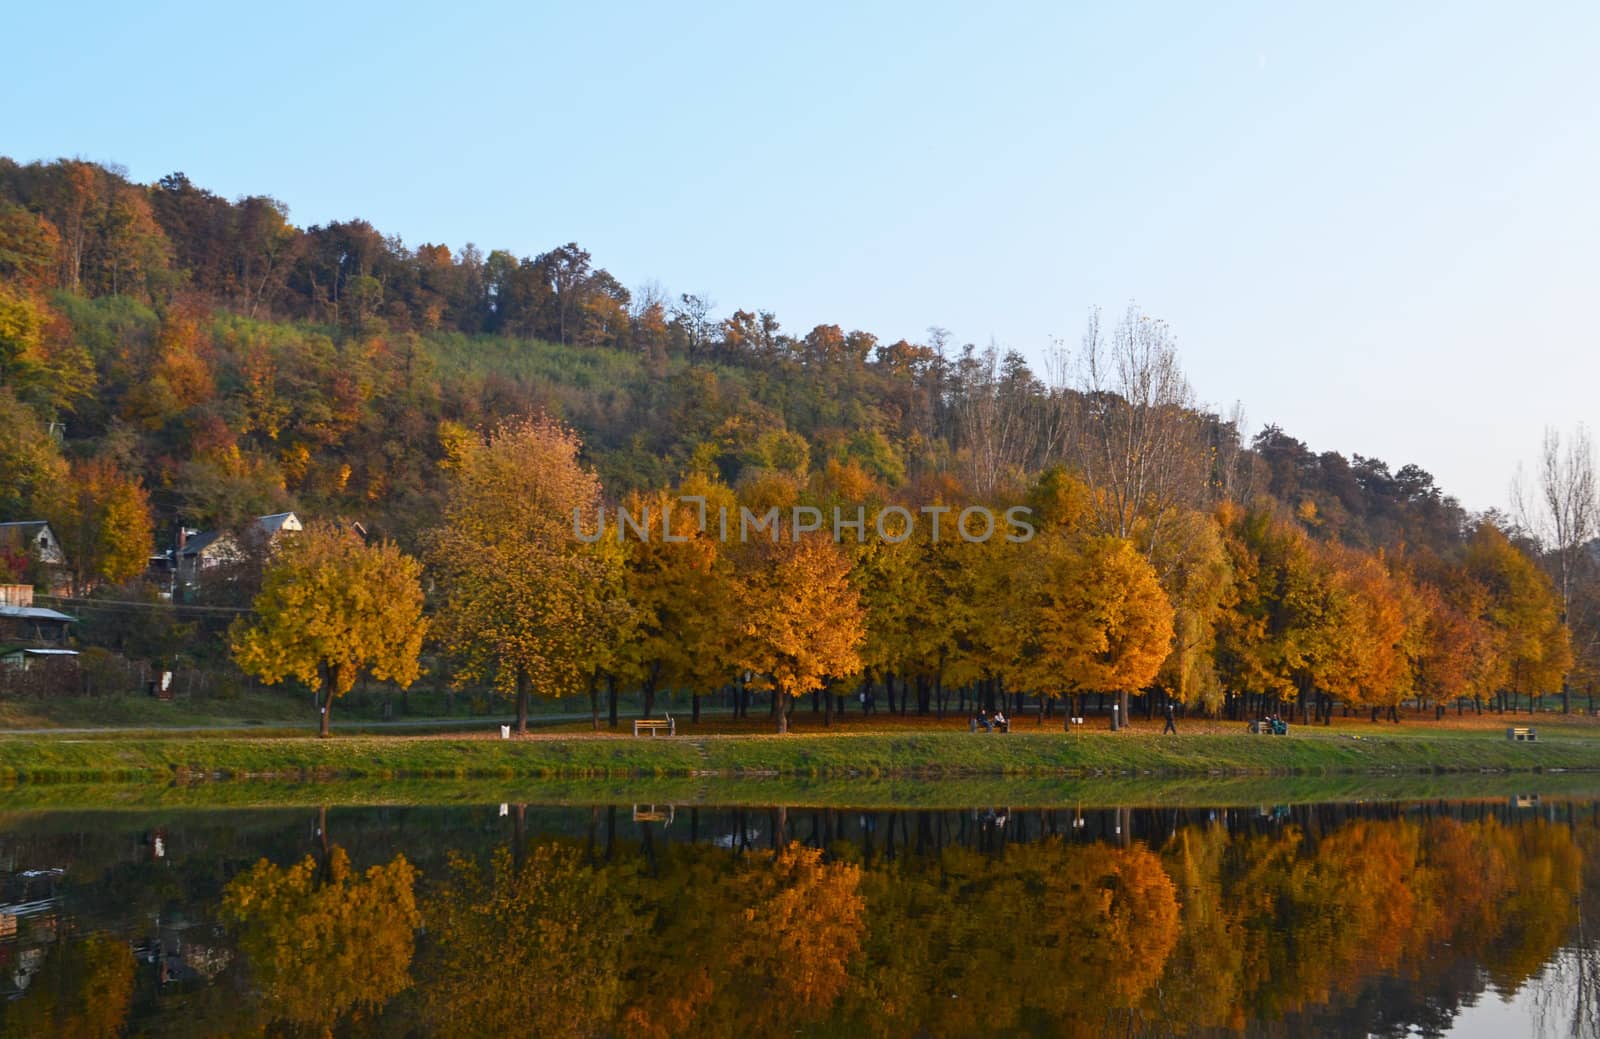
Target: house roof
column 200, row 542
column 35, row 613
column 270, row 526
column 30, row 651
column 278, row 521
column 26, row 531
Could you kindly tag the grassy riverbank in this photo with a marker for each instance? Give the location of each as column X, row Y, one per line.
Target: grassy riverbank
column 1016, row 792
column 161, row 758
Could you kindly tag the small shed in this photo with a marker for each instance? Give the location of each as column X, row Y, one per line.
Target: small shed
column 21, row 621
column 23, row 658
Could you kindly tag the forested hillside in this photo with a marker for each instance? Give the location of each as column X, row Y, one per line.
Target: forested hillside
column 170, row 357
column 236, row 364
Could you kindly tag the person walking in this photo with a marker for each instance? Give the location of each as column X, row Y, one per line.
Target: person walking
column 1171, row 725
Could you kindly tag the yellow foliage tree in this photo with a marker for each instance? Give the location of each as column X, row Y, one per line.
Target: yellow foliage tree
column 102, row 517
column 83, row 990
column 1103, row 625
column 678, row 593
column 322, row 941
column 530, row 592
column 802, row 619
column 330, row 607
column 524, row 949
column 1525, row 609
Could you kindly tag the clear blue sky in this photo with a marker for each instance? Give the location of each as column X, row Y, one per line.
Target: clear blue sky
column 1375, row 224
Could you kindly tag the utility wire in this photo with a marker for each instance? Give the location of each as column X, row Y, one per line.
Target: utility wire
column 115, row 604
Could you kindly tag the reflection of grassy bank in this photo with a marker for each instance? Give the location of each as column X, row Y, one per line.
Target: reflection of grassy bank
column 833, row 756
column 1014, row 791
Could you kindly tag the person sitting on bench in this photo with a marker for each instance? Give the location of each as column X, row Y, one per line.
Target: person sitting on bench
column 1000, row 721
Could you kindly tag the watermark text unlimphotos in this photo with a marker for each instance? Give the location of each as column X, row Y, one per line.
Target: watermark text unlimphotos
column 893, row 523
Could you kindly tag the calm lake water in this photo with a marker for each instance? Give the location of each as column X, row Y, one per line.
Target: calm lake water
column 1439, row 918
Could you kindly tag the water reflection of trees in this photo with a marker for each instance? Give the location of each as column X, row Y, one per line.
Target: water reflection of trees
column 82, row 990
column 921, row 925
column 321, row 940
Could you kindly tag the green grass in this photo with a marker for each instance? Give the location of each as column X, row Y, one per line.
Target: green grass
column 838, row 755
column 1016, row 792
column 266, row 707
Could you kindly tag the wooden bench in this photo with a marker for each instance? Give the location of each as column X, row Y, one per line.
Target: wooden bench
column 1522, row 734
column 655, row 725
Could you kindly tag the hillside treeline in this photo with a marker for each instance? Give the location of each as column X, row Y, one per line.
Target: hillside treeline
column 170, row 357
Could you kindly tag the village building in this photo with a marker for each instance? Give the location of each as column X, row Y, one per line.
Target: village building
column 195, row 552
column 35, row 545
column 29, row 634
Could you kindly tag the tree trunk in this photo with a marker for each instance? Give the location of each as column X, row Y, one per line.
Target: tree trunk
column 827, row 713
column 611, row 699
column 522, row 703
column 327, row 701
column 648, row 690
column 780, row 710
column 694, row 707
column 594, row 700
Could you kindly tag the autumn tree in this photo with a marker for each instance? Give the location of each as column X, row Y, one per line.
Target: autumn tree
column 529, row 948
column 1103, row 625
column 1198, row 577
column 32, row 470
column 102, row 516
column 332, row 606
column 83, row 990
column 802, row 620
column 1365, row 647
column 1460, row 652
column 677, row 583
column 1525, row 608
column 529, row 588
column 323, row 940
column 776, row 934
